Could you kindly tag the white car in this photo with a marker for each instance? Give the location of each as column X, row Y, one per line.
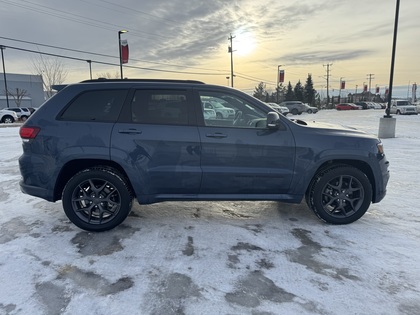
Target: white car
column 281, row 109
column 23, row 113
column 403, row 107
column 222, row 112
column 8, row 116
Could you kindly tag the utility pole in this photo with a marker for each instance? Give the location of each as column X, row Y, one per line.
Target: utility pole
column 370, row 81
column 230, row 50
column 4, row 74
column 328, row 82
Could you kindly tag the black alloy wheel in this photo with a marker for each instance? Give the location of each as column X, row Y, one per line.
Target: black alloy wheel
column 97, row 199
column 340, row 195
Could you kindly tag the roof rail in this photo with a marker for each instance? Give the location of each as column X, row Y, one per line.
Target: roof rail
column 143, row 80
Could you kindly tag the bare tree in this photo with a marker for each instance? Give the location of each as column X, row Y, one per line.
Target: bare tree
column 109, row 75
column 18, row 96
column 52, row 72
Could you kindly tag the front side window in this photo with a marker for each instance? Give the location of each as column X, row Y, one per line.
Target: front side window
column 99, row 105
column 228, row 110
column 160, row 107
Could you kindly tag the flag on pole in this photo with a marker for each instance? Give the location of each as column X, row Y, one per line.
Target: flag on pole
column 281, row 76
column 124, row 51
column 343, row 85
column 365, row 88
column 377, row 90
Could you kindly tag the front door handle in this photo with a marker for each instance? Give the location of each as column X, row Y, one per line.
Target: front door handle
column 216, row 135
column 130, row 131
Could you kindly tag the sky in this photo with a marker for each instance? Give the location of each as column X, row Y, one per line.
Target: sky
column 217, row 257
column 189, row 40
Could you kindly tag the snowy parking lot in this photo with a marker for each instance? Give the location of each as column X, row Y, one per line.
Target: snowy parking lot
column 217, row 257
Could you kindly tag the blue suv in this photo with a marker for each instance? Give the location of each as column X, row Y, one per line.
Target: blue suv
column 98, row 144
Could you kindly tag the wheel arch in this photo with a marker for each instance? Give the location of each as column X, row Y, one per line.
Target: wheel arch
column 360, row 165
column 73, row 167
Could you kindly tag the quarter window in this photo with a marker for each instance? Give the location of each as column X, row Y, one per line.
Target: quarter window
column 100, row 105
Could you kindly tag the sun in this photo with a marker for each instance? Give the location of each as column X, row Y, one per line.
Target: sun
column 244, row 42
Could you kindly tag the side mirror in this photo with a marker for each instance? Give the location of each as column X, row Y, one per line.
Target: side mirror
column 272, row 120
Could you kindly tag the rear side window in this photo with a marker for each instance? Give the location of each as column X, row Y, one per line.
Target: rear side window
column 169, row 107
column 99, row 105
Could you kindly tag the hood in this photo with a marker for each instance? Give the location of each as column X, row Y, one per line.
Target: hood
column 332, row 128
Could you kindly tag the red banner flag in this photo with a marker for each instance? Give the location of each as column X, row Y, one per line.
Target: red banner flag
column 386, row 91
column 124, row 51
column 343, row 85
column 281, row 76
column 377, row 90
column 365, row 88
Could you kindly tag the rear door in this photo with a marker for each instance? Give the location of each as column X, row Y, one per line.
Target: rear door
column 241, row 155
column 157, row 144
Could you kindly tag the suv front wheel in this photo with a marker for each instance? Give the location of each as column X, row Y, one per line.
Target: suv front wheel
column 340, row 194
column 97, row 199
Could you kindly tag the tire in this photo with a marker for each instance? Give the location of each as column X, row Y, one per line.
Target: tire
column 23, row 118
column 8, row 119
column 294, row 111
column 340, row 194
column 101, row 208
column 398, row 112
column 219, row 116
column 309, row 111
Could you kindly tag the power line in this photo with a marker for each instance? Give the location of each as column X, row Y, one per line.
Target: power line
column 107, row 63
column 104, row 55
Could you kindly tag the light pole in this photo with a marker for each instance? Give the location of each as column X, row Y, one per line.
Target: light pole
column 278, row 81
column 120, row 49
column 4, row 74
column 90, row 67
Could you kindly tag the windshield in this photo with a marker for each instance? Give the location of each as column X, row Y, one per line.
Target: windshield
column 402, row 103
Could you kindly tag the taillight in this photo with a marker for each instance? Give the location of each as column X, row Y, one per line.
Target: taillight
column 28, row 132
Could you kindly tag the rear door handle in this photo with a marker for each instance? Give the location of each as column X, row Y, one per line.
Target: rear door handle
column 130, row 131
column 216, row 135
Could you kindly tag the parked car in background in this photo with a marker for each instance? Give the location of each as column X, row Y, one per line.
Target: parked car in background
column 208, row 113
column 311, row 109
column 403, row 107
column 295, row 107
column 281, row 109
column 23, row 113
column 347, row 106
column 8, row 116
column 222, row 112
column 363, row 104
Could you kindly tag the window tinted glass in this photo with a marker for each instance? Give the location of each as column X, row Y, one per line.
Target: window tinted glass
column 228, row 110
column 160, row 107
column 102, row 105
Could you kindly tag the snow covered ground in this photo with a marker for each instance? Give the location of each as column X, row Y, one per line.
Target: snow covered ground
column 217, row 257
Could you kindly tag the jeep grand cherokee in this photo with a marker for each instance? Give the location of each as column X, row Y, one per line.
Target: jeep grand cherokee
column 99, row 144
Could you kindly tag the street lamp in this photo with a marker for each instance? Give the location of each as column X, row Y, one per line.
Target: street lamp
column 90, row 67
column 120, row 49
column 278, row 81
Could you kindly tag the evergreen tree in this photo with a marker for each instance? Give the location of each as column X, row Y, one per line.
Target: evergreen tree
column 309, row 95
column 260, row 92
column 299, row 91
column 290, row 95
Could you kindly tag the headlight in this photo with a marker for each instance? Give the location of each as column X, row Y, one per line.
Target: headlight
column 380, row 147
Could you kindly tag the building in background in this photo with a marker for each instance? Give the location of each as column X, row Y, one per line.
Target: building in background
column 27, row 87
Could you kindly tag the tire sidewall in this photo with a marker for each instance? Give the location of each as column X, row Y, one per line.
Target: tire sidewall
column 315, row 197
column 102, row 174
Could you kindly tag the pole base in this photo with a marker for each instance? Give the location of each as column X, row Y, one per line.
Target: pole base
column 387, row 127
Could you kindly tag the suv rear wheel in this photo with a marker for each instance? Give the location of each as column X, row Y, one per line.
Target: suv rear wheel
column 8, row 119
column 294, row 111
column 97, row 199
column 340, row 194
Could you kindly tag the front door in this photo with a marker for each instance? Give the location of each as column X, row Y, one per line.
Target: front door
column 240, row 155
